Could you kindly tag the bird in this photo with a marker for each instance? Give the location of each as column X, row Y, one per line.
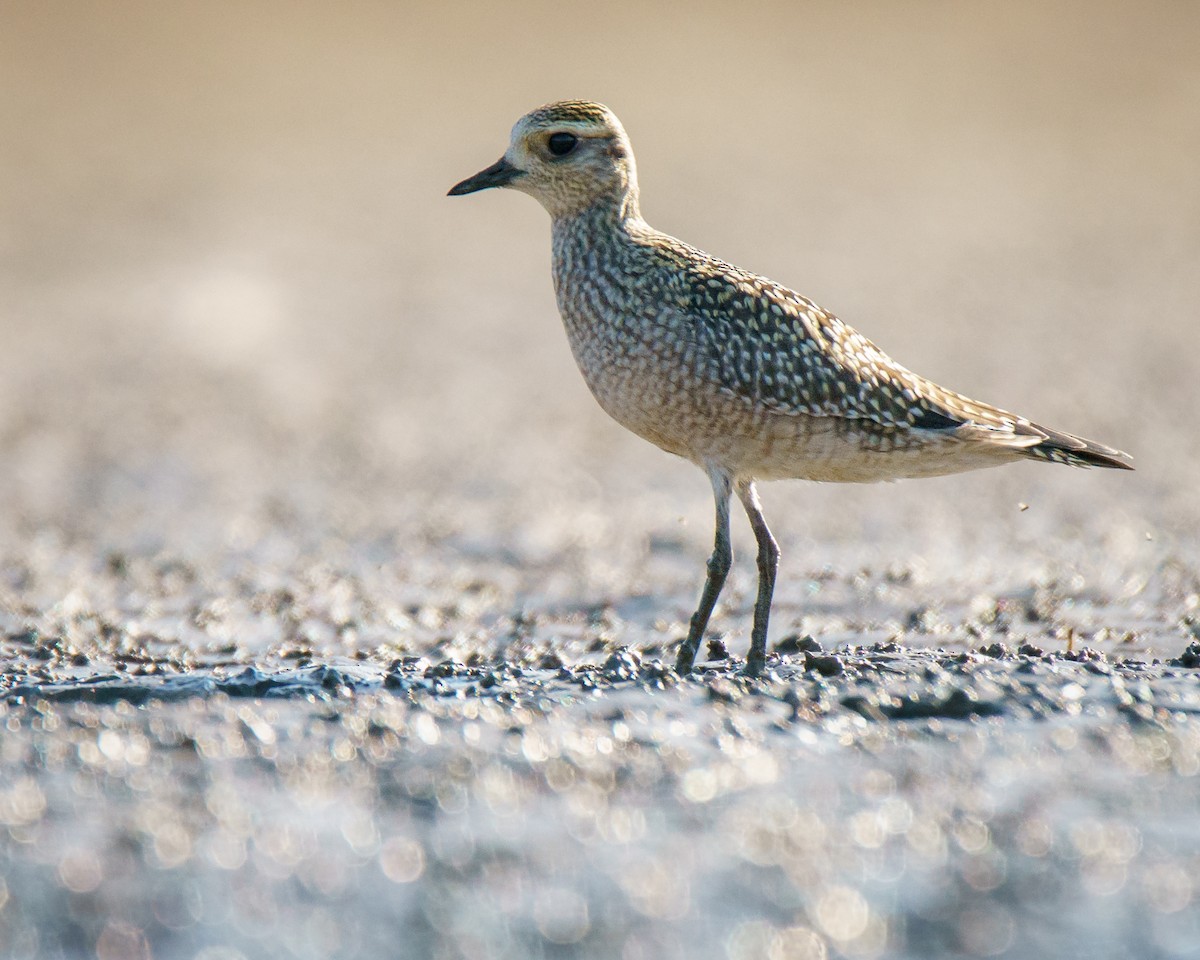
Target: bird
column 739, row 374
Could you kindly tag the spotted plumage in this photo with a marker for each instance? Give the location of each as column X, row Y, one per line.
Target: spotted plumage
column 733, row 371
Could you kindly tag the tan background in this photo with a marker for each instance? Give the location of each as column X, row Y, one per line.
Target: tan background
column 235, row 304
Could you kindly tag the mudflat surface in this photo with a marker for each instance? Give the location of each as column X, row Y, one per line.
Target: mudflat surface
column 334, row 616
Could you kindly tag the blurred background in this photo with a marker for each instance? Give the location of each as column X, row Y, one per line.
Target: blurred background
column 264, row 390
column 232, row 288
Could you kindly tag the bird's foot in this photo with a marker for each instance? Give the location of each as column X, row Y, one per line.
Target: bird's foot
column 684, row 660
column 755, row 667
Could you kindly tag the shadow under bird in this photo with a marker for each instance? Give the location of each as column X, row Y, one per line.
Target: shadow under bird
column 744, row 377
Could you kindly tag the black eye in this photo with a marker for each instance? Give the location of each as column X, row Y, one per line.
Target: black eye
column 560, row 144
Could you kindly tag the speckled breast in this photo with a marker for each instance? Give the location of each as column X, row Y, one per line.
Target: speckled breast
column 636, row 376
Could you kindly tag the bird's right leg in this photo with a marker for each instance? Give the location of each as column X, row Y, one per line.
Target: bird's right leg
column 718, row 568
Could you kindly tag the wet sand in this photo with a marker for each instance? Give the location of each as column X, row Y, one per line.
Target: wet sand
column 333, row 613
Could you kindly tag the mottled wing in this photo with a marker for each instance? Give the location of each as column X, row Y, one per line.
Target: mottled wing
column 777, row 350
column 780, row 351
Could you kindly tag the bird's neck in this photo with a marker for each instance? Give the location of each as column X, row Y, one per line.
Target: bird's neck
column 606, row 220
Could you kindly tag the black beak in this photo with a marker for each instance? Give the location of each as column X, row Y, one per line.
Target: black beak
column 498, row 174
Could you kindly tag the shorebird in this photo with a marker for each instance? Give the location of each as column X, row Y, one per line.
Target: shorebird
column 740, row 375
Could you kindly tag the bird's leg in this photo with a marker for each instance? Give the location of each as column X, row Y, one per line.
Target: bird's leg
column 718, row 568
column 768, row 563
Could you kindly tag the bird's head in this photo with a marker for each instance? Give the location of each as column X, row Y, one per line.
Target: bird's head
column 569, row 156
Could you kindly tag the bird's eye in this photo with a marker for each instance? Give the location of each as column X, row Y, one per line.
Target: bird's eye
column 560, row 144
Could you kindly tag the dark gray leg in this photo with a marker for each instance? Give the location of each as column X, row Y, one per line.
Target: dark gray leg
column 768, row 563
column 718, row 568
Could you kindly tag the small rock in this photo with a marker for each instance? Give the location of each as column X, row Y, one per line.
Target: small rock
column 394, row 681
column 959, row 703
column 1189, row 658
column 550, row 661
column 716, row 650
column 795, row 643
column 250, row 682
column 330, row 678
column 826, row 666
column 1083, row 655
column 622, row 664
column 659, row 674
column 447, row 668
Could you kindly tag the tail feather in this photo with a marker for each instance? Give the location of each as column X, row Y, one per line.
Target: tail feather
column 1076, row 451
column 945, row 410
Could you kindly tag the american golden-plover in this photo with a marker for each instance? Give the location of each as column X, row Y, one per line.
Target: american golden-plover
column 744, row 377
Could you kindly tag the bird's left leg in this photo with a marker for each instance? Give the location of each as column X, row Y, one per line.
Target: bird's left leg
column 768, row 563
column 718, row 568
